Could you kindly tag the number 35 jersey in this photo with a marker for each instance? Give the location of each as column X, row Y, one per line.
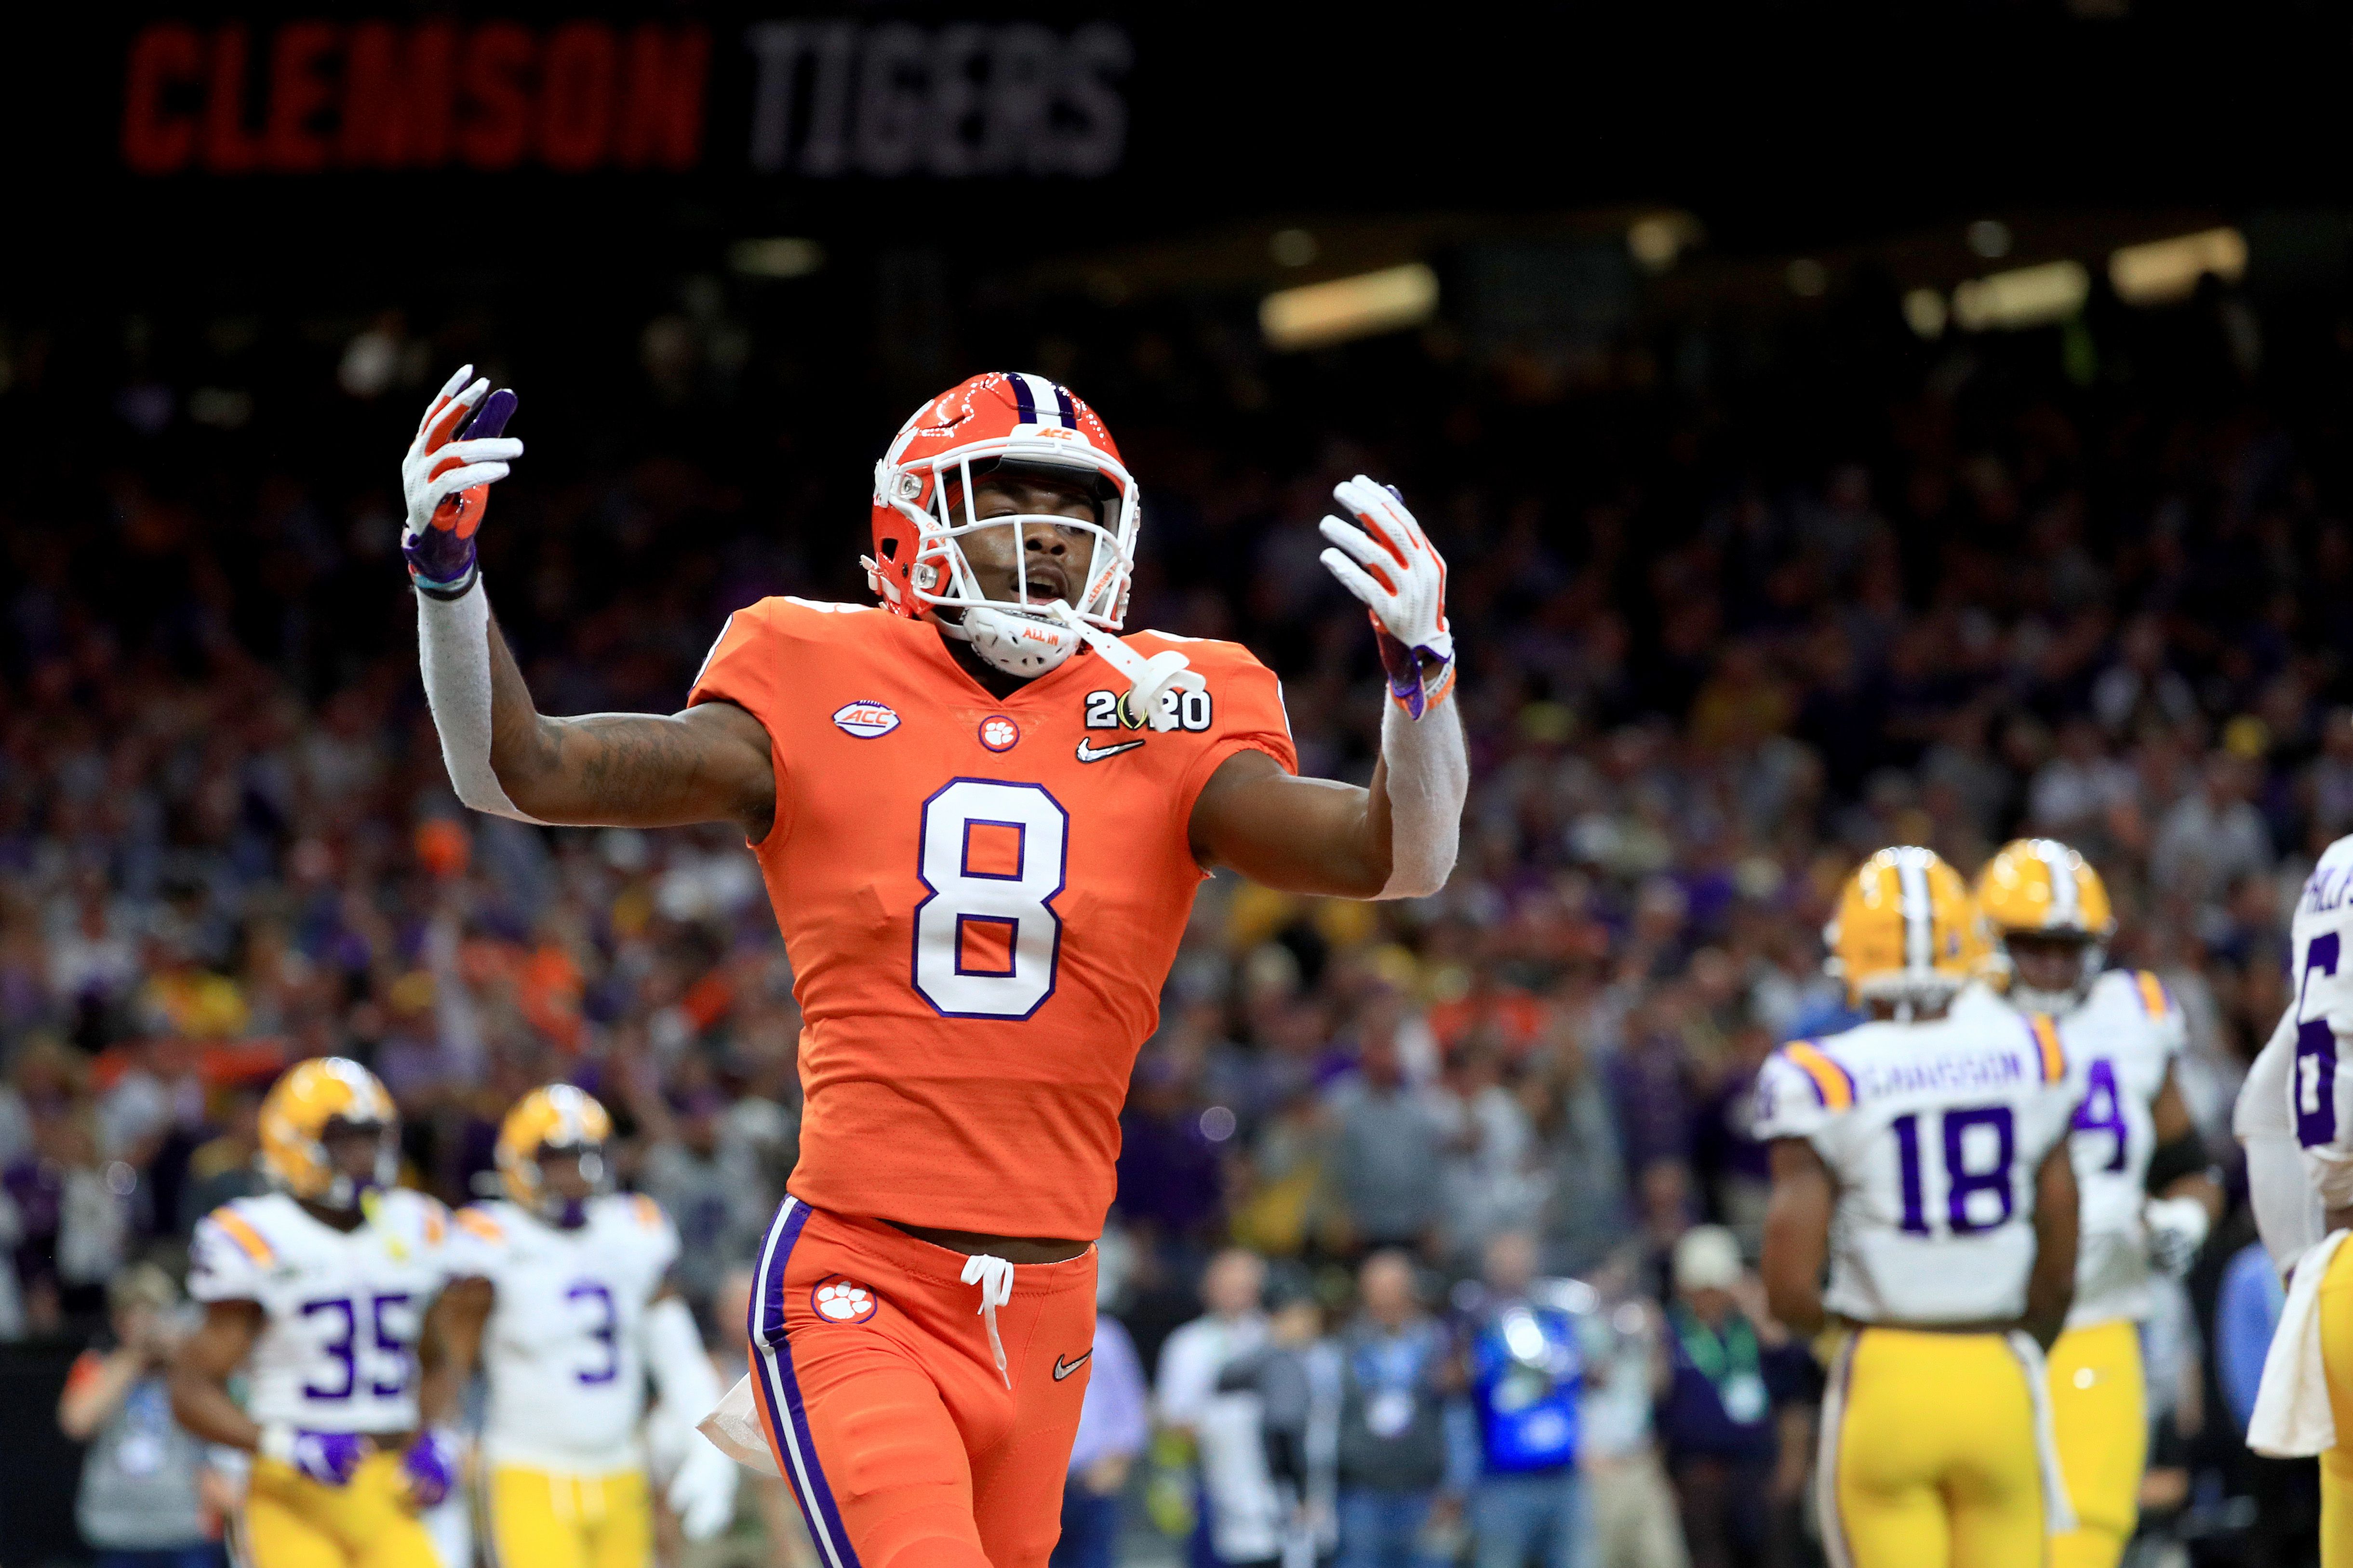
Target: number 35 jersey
column 564, row 1349
column 1933, row 1133
column 341, row 1310
column 981, row 898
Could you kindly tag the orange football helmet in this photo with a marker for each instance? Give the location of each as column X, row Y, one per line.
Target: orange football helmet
column 924, row 507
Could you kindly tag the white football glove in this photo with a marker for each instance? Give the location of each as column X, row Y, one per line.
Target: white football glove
column 703, row 1493
column 1388, row 563
column 446, row 477
column 2176, row 1228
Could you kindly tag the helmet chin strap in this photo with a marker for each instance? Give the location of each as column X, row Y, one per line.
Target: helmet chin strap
column 1148, row 679
column 1029, row 646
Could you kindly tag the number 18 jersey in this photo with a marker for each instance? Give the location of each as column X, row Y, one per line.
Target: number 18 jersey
column 1934, row 1132
column 981, row 898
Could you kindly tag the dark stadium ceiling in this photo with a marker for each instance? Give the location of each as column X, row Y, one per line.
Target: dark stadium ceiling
column 235, row 151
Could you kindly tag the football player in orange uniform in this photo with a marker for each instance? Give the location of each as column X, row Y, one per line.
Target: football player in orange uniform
column 982, row 815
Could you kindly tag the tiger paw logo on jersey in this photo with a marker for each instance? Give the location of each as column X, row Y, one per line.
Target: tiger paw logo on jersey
column 999, row 734
column 840, row 1301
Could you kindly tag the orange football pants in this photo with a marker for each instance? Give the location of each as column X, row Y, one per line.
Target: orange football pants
column 882, row 1400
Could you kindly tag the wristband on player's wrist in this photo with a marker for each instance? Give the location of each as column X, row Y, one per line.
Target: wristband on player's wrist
column 1434, row 691
column 445, row 592
column 277, row 1442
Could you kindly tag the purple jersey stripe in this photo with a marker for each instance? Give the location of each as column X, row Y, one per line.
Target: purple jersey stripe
column 780, row 1393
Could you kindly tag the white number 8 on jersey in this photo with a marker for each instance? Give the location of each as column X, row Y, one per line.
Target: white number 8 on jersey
column 964, row 902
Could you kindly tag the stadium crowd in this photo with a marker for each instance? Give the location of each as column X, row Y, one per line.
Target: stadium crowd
column 1732, row 618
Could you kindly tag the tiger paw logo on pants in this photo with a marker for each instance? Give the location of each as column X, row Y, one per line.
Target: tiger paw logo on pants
column 840, row 1301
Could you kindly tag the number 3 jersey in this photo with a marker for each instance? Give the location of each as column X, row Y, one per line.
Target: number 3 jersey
column 981, row 898
column 1934, row 1132
column 342, row 1310
column 563, row 1348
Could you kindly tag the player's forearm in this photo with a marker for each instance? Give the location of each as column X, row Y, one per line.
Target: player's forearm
column 1793, row 1282
column 447, row 1348
column 1419, row 791
column 203, row 1406
column 1798, row 1236
column 2051, row 1285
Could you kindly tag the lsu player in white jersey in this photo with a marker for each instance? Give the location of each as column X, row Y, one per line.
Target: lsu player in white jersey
column 1921, row 1156
column 320, row 1289
column 2301, row 1088
column 561, row 1289
column 2147, row 1196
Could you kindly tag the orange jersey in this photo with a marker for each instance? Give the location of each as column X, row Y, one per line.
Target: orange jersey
column 981, row 899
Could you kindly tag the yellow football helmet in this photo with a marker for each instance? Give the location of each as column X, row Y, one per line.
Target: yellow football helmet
column 2040, row 886
column 294, row 1119
column 556, row 1117
column 1907, row 931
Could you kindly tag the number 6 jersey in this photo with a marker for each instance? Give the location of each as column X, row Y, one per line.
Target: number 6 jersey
column 981, row 898
column 1934, row 1132
column 2320, row 1091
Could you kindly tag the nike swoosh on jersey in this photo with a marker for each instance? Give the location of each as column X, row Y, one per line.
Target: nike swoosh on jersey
column 1063, row 1369
column 1088, row 753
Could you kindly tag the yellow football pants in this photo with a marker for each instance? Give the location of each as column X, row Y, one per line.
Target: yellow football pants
column 2337, row 1358
column 290, row 1520
column 2099, row 1408
column 541, row 1519
column 1928, row 1456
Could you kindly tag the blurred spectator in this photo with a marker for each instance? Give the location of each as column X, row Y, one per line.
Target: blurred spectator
column 74, row 1217
column 1586, row 1211
column 2212, row 836
column 1735, row 1431
column 1242, row 1512
column 1635, row 1522
column 1398, row 1371
column 1115, row 1424
column 1295, row 1375
column 147, row 1500
column 1388, row 1144
column 1527, row 1380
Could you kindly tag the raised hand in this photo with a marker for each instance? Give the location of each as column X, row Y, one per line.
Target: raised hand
column 1389, row 564
column 458, row 454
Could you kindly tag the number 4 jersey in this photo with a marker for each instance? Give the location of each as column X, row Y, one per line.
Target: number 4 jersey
column 564, row 1349
column 981, row 898
column 1934, row 1132
column 341, row 1308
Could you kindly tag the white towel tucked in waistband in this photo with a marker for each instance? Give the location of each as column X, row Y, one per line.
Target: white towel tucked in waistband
column 2292, row 1417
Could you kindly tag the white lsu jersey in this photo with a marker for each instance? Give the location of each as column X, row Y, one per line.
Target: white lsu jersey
column 2122, row 1043
column 2320, row 1095
column 342, row 1310
column 1934, row 1131
column 565, row 1347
